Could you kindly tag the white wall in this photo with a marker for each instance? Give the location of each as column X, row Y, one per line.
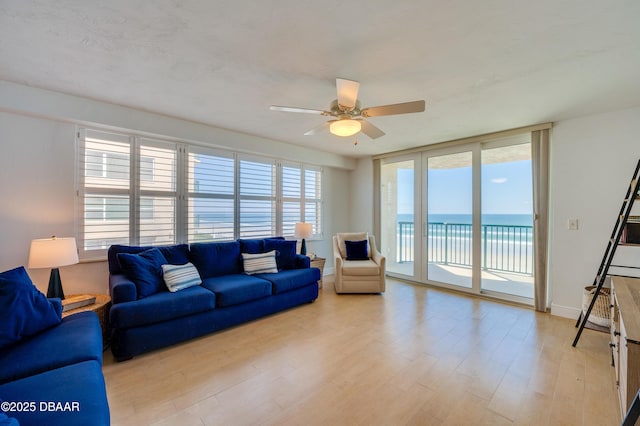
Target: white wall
column 37, row 172
column 336, row 197
column 361, row 200
column 37, row 193
column 592, row 161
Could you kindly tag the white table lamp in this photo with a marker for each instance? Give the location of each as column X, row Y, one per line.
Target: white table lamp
column 303, row 230
column 52, row 253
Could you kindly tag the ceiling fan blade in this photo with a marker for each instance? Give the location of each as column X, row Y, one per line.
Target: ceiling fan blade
column 294, row 109
column 347, row 92
column 393, row 109
column 370, row 130
column 319, row 129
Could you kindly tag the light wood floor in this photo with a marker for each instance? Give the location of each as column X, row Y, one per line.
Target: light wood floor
column 414, row 355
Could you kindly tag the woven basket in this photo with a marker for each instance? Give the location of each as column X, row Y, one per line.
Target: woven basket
column 601, row 313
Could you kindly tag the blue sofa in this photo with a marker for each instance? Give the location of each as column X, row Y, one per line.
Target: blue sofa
column 145, row 316
column 50, row 367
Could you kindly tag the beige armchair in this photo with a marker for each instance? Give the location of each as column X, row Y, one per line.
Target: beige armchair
column 358, row 276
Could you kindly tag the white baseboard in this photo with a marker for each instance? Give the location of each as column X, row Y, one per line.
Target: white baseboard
column 565, row 311
column 328, row 271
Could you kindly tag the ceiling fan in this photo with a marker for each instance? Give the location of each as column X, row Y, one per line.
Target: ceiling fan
column 348, row 116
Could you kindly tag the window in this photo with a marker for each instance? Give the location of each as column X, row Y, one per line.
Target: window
column 140, row 191
column 313, row 198
column 157, row 173
column 105, row 184
column 291, row 198
column 301, row 197
column 211, row 195
column 257, row 198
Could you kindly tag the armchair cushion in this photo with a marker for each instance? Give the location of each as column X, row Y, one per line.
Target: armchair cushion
column 360, row 268
column 349, row 236
column 357, row 250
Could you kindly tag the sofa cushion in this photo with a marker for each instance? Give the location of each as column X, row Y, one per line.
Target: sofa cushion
column 360, row 267
column 7, row 421
column 81, row 384
column 293, row 278
column 176, row 254
column 77, row 338
column 179, row 277
column 216, row 259
column 286, row 249
column 251, row 246
column 162, row 307
column 260, row 263
column 357, row 250
column 145, row 270
column 24, row 310
column 235, row 289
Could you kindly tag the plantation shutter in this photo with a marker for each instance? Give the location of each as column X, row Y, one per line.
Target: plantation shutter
column 104, row 175
column 211, row 189
column 313, row 199
column 291, row 198
column 157, row 174
column 257, row 199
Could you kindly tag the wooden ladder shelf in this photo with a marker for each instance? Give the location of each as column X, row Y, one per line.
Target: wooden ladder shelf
column 612, row 245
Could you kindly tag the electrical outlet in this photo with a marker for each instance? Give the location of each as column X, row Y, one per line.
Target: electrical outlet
column 572, row 224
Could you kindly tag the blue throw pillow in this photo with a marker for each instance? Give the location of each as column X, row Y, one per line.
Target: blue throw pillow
column 24, row 310
column 176, row 254
column 145, row 270
column 357, row 250
column 286, row 257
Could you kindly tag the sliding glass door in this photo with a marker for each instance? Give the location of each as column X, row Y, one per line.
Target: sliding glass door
column 507, row 220
column 397, row 215
column 461, row 217
column 449, row 222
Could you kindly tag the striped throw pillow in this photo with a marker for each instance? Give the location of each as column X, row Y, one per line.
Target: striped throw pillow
column 179, row 277
column 261, row 263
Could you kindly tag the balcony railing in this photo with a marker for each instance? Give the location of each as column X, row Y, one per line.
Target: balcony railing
column 505, row 248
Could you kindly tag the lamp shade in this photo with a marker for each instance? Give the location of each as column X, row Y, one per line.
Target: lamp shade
column 53, row 252
column 303, row 230
column 345, row 127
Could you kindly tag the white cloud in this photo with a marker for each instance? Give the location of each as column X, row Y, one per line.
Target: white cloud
column 499, row 180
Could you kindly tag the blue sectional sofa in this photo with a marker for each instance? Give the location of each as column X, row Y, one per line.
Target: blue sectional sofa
column 146, row 316
column 50, row 367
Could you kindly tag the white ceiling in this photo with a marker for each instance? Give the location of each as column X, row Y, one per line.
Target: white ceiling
column 482, row 66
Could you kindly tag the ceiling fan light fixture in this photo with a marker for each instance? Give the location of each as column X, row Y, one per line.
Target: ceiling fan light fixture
column 345, row 128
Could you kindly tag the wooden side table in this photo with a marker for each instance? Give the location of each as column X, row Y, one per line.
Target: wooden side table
column 318, row 262
column 100, row 307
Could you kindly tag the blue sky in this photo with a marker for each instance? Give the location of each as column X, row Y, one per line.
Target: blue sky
column 506, row 189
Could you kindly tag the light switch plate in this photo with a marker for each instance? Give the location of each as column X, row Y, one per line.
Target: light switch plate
column 572, row 224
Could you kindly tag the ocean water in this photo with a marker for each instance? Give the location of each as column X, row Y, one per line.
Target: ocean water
column 487, row 219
